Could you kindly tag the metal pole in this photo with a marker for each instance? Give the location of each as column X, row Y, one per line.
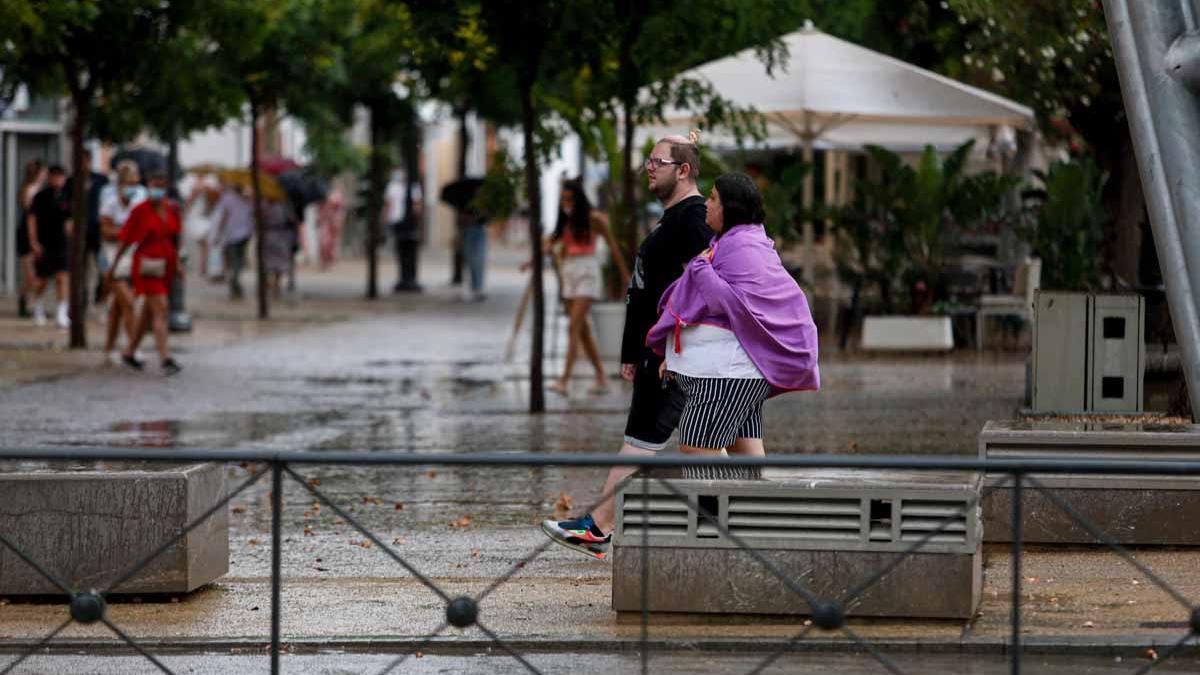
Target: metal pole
column 1164, row 120
column 1017, row 533
column 276, row 558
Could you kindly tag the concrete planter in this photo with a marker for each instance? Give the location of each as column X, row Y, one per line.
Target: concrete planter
column 908, row 333
column 608, row 322
column 1132, row 510
column 87, row 527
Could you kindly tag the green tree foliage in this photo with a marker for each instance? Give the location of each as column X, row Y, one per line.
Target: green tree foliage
column 901, row 226
column 1064, row 223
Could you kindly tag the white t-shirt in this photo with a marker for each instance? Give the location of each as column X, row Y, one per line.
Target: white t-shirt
column 394, row 196
column 112, row 207
column 709, row 351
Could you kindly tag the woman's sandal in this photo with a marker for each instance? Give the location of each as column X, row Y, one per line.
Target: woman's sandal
column 559, row 388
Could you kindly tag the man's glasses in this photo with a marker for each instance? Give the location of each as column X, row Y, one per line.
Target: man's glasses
column 658, row 162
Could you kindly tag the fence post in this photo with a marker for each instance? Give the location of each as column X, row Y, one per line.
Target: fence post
column 1016, row 573
column 276, row 557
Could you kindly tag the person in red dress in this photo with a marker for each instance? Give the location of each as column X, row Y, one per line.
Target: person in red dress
column 151, row 229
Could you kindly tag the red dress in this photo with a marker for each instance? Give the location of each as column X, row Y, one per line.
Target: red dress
column 153, row 238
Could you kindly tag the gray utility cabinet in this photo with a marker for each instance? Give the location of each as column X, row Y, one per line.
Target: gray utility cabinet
column 825, row 530
column 1089, row 352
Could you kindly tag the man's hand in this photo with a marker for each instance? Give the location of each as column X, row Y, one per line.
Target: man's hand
column 628, row 370
column 37, row 250
column 662, row 369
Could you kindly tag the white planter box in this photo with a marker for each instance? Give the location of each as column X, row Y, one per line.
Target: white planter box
column 907, row 333
column 608, row 322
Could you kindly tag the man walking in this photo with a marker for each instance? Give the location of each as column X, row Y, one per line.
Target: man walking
column 49, row 228
column 234, row 219
column 671, row 169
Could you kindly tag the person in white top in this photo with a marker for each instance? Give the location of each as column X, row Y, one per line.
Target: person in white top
column 113, row 213
column 197, row 220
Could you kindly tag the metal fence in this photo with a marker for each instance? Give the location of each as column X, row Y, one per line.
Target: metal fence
column 828, row 614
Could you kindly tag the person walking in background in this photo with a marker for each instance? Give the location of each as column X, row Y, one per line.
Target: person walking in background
column 234, row 222
column 672, row 169
column 405, row 226
column 49, row 228
column 197, row 220
column 279, row 237
column 113, row 214
column 579, row 226
column 331, row 216
column 150, row 231
column 735, row 328
column 95, row 188
column 474, row 227
column 33, row 182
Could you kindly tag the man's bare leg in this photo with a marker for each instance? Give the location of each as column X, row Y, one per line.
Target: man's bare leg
column 604, row 515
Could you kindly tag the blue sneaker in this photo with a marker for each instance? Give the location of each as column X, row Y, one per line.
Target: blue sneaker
column 580, row 534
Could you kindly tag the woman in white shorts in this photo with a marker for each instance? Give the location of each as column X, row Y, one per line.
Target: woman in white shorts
column 582, row 284
column 113, row 214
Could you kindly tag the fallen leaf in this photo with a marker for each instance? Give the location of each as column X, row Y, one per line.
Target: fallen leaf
column 1151, row 654
column 398, row 541
column 314, row 481
column 254, row 542
column 321, row 569
column 1088, row 624
column 562, row 507
column 418, row 655
column 366, row 499
column 399, row 506
column 432, row 473
column 463, row 522
column 308, row 514
column 475, row 553
column 238, row 509
column 308, row 532
column 852, row 445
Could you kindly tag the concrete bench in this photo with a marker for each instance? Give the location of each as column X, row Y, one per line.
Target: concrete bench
column 828, row 530
column 88, row 526
column 1153, row 509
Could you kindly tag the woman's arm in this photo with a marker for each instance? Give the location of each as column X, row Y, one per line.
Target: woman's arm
column 600, row 226
column 35, row 246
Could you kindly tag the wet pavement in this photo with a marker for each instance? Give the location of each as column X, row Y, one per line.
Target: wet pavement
column 426, row 374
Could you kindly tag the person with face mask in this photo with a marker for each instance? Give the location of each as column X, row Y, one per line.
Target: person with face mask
column 113, row 213
column 150, row 230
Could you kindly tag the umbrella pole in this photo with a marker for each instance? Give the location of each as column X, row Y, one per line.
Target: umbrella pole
column 518, row 321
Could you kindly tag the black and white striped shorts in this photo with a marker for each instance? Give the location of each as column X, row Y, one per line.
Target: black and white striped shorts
column 720, row 410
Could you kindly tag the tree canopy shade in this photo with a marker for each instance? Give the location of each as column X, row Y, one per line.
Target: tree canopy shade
column 58, row 47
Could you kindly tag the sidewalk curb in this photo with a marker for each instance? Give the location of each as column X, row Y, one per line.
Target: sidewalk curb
column 1108, row 645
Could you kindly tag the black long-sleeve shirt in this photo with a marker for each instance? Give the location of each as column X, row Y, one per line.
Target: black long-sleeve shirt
column 680, row 235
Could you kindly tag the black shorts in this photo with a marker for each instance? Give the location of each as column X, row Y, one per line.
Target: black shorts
column 655, row 409
column 49, row 264
column 721, row 410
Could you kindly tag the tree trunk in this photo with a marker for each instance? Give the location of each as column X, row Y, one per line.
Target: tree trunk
column 537, row 400
column 77, row 262
column 375, row 202
column 260, row 229
column 411, row 153
column 1130, row 213
column 457, row 256
column 464, row 142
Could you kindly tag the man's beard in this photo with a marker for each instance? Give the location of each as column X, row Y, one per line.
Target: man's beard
column 663, row 190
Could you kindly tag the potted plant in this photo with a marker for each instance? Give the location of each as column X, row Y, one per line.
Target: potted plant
column 896, row 235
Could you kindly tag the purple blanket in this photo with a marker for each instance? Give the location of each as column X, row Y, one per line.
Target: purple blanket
column 745, row 289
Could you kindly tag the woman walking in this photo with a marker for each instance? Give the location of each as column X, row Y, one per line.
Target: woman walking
column 114, row 212
column 150, row 229
column 579, row 226
column 35, row 180
column 736, row 328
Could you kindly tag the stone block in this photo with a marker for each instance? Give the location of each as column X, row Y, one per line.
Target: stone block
column 88, row 526
column 1132, row 510
column 826, row 529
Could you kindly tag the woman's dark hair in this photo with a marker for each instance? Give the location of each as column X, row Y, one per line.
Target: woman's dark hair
column 580, row 217
column 741, row 201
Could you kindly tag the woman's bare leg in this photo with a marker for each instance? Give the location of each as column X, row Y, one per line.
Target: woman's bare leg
column 142, row 325
column 158, row 316
column 587, row 340
column 572, row 347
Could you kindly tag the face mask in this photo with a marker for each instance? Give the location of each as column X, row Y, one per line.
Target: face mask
column 157, row 193
column 129, row 191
